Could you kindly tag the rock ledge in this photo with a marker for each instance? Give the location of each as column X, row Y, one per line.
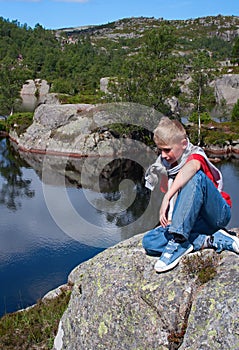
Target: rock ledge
column 119, row 302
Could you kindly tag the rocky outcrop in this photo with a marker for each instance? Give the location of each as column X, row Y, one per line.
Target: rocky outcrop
column 36, row 92
column 59, row 128
column 84, row 129
column 120, row 302
column 37, row 86
column 227, row 89
column 78, row 130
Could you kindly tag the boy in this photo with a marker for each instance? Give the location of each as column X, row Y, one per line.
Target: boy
column 194, row 210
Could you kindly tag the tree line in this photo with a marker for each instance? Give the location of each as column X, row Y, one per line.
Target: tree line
column 144, row 70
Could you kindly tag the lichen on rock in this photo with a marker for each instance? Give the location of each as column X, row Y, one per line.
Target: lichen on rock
column 120, row 302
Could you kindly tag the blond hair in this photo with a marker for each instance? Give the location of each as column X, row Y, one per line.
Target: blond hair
column 169, row 131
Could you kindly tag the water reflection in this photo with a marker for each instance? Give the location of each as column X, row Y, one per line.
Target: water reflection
column 29, row 103
column 230, row 171
column 113, row 203
column 13, row 184
column 36, row 255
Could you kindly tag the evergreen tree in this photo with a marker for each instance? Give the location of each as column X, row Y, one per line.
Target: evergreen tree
column 235, row 112
column 149, row 77
column 145, row 67
column 235, row 51
column 12, row 77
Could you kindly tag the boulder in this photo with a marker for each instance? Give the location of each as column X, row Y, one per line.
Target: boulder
column 227, row 88
column 32, row 86
column 55, row 127
column 29, row 88
column 86, row 130
column 104, row 83
column 119, row 302
column 83, row 129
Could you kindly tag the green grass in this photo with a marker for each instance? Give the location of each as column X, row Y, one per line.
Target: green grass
column 35, row 327
column 86, row 97
column 19, row 122
column 222, row 132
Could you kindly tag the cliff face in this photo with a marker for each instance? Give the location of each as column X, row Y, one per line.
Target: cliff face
column 120, row 302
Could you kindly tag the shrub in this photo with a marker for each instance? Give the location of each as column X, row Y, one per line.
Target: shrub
column 201, row 266
column 204, row 117
column 218, row 138
column 2, row 125
column 19, row 121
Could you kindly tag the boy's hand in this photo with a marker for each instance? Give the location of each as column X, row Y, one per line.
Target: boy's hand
column 163, row 217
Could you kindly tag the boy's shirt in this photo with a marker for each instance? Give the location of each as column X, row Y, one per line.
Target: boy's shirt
column 208, row 173
column 161, row 173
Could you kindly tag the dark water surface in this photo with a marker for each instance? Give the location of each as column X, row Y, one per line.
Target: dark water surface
column 37, row 251
column 230, row 171
column 38, row 248
column 35, row 255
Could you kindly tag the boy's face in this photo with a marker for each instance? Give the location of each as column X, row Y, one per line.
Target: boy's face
column 171, row 153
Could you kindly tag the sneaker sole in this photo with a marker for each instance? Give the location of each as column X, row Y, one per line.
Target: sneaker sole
column 234, row 238
column 174, row 263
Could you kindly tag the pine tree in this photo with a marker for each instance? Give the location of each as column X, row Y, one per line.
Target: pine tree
column 235, row 112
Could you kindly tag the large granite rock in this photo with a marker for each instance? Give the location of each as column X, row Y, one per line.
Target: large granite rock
column 120, row 302
column 82, row 129
column 226, row 88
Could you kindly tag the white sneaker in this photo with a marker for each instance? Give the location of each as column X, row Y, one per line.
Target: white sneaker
column 222, row 240
column 172, row 254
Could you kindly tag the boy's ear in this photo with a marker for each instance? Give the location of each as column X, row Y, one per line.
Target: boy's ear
column 184, row 143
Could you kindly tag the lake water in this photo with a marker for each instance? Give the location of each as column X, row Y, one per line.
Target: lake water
column 49, row 227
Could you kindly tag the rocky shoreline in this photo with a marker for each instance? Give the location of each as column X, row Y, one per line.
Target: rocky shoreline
column 227, row 151
column 81, row 130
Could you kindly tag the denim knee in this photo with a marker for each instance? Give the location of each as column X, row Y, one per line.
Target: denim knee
column 154, row 241
column 225, row 216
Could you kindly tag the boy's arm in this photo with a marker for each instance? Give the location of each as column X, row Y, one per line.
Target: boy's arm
column 184, row 175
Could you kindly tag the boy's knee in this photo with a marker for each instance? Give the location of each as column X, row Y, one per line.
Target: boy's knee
column 155, row 238
column 149, row 244
column 146, row 240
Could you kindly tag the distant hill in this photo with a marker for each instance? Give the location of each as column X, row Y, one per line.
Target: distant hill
column 190, row 33
column 144, row 60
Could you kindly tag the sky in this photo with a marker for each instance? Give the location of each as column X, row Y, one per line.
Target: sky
column 56, row 14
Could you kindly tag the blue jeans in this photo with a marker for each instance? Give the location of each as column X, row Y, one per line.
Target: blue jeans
column 199, row 211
